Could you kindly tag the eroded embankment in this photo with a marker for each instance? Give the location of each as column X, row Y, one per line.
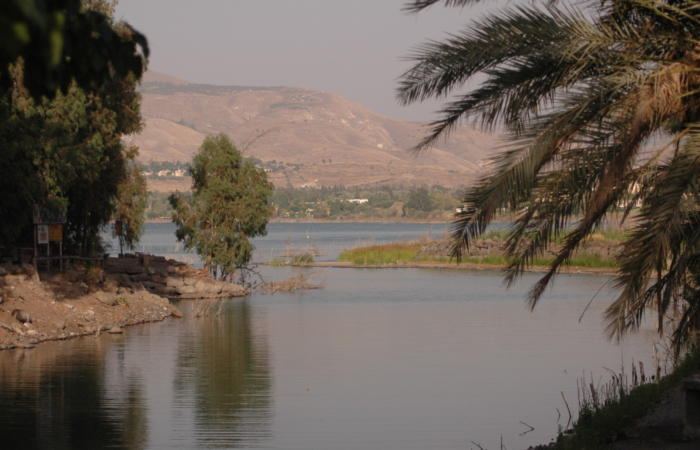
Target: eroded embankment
column 38, row 307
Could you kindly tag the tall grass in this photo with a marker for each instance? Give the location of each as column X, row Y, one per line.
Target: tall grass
column 393, row 253
column 405, row 252
column 603, row 416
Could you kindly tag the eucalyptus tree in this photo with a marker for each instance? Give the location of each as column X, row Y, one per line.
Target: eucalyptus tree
column 228, row 206
column 580, row 91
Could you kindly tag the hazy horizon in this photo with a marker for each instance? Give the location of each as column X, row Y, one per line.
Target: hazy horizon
column 354, row 49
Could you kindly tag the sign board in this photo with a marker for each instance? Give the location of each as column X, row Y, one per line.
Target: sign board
column 42, row 233
column 43, row 215
column 55, row 232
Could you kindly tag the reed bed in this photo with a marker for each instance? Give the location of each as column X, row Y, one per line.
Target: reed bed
column 297, row 281
column 605, row 409
column 405, row 252
column 392, row 253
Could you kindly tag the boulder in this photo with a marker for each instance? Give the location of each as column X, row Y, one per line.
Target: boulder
column 139, row 287
column 165, row 290
column 110, row 285
column 213, row 288
column 158, row 279
column 171, row 269
column 190, row 281
column 15, row 280
column 201, row 286
column 135, row 270
column 21, row 315
column 139, row 277
column 105, row 297
column 115, row 330
column 11, row 269
column 185, row 290
column 174, row 281
column 3, row 271
column 151, row 271
column 27, row 269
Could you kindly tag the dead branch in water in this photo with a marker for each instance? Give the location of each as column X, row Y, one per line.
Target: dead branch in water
column 295, row 282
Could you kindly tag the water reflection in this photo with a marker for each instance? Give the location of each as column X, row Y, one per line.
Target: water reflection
column 228, row 369
column 204, row 383
column 55, row 397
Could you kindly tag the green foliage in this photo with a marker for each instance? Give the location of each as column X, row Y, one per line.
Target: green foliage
column 61, row 42
column 607, row 418
column 228, row 206
column 580, row 90
column 419, row 200
column 65, row 153
column 393, row 253
column 130, row 208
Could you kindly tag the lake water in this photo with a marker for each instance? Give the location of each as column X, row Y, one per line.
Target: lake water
column 377, row 359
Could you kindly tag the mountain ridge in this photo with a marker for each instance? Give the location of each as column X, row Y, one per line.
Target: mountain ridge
column 328, row 138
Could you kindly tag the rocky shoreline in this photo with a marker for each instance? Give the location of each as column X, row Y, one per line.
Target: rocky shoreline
column 48, row 306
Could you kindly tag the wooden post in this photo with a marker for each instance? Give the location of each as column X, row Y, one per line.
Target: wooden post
column 60, row 253
column 36, row 269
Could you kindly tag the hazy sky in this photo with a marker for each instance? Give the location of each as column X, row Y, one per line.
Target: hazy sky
column 349, row 47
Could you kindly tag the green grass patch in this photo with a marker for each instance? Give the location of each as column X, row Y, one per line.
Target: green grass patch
column 596, row 423
column 393, row 253
column 405, row 252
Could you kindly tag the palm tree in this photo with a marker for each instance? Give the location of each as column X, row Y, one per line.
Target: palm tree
column 581, row 91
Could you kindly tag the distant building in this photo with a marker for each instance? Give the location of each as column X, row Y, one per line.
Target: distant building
column 148, row 174
column 179, row 173
column 164, row 173
column 358, row 200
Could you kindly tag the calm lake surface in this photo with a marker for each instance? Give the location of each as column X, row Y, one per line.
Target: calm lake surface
column 377, row 359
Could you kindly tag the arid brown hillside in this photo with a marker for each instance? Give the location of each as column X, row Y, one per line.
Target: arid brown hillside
column 306, row 127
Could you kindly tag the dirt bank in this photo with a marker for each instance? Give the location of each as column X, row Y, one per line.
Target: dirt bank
column 38, row 307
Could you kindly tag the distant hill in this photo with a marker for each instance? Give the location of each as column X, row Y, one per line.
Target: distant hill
column 302, row 126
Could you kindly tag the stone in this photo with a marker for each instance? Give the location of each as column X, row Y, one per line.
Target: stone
column 105, row 297
column 35, row 278
column 59, row 323
column 213, row 288
column 110, row 285
column 185, row 290
column 3, row 271
column 122, row 291
column 15, row 280
column 134, row 270
column 139, row 287
column 90, row 314
column 190, row 281
column 27, row 269
column 171, row 269
column 201, row 286
column 158, row 279
column 172, row 262
column 2, row 282
column 174, row 281
column 151, row 271
column 21, row 315
column 139, row 277
column 31, row 332
column 176, row 313
column 115, row 330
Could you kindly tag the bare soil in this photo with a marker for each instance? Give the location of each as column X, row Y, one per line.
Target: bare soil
column 61, row 306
